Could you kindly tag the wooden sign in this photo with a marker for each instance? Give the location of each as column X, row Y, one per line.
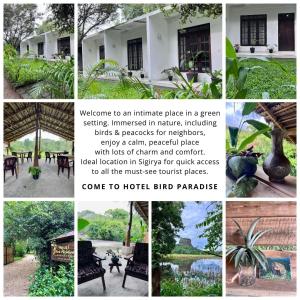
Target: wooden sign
column 62, row 252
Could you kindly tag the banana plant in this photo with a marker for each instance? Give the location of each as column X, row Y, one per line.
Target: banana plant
column 234, row 145
column 248, row 254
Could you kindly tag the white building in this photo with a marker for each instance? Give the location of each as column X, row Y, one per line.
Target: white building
column 154, row 42
column 262, row 26
column 48, row 45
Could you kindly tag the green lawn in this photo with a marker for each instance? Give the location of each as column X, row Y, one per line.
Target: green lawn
column 270, row 78
column 110, row 90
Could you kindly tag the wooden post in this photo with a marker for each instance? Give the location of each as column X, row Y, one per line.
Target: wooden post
column 40, row 138
column 36, row 148
column 8, row 148
column 127, row 242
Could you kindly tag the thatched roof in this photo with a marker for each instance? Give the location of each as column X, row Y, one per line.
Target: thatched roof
column 20, row 119
column 282, row 114
column 142, row 209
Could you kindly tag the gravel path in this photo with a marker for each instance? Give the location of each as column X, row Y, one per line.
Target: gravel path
column 9, row 92
column 16, row 276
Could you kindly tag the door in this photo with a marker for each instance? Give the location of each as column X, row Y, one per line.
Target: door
column 286, row 32
column 101, row 52
column 41, row 48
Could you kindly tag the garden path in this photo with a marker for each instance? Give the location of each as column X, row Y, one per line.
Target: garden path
column 16, row 276
column 9, row 92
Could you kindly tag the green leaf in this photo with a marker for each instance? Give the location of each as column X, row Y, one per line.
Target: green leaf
column 248, row 108
column 239, row 257
column 251, row 229
column 251, row 138
column 230, row 51
column 259, row 126
column 233, row 133
column 242, row 77
column 244, row 186
column 239, row 227
column 257, row 236
column 241, row 94
column 82, row 223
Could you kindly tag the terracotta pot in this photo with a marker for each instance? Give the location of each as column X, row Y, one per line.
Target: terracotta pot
column 276, row 165
column 247, row 275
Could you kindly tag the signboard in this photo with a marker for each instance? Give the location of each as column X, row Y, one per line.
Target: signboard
column 62, row 252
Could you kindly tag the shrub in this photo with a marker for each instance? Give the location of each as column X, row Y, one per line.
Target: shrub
column 20, row 249
column 49, row 281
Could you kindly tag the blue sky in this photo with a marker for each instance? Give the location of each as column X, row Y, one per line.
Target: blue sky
column 234, row 115
column 192, row 214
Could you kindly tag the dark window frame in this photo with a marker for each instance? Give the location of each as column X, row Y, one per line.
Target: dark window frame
column 183, row 34
column 40, row 45
column 135, row 62
column 249, row 19
column 101, row 52
column 60, row 44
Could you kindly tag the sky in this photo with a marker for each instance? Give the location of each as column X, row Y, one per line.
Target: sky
column 42, row 9
column 192, row 214
column 100, row 207
column 234, row 115
column 45, row 135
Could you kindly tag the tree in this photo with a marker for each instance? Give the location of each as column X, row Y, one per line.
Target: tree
column 166, row 223
column 131, row 11
column 188, row 11
column 62, row 17
column 19, row 22
column 45, row 27
column 38, row 221
column 212, row 226
column 117, row 213
column 92, row 16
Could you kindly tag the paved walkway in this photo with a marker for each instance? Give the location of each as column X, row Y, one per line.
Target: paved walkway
column 9, row 92
column 16, row 276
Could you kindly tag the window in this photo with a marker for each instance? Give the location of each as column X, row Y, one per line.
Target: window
column 27, row 48
column 63, row 46
column 191, row 41
column 135, row 54
column 254, row 30
column 101, row 52
column 41, row 48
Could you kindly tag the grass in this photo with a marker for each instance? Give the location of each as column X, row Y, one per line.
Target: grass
column 24, row 71
column 111, row 90
column 114, row 90
column 16, row 258
column 270, row 78
column 263, row 145
column 188, row 256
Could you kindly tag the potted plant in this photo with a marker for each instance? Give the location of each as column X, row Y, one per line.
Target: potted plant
column 142, row 75
column 169, row 72
column 247, row 257
column 115, row 257
column 237, row 47
column 271, row 47
column 35, row 172
column 241, row 160
column 192, row 74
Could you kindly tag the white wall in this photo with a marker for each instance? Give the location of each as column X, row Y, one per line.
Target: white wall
column 158, row 46
column 215, row 41
column 272, row 10
column 130, row 35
